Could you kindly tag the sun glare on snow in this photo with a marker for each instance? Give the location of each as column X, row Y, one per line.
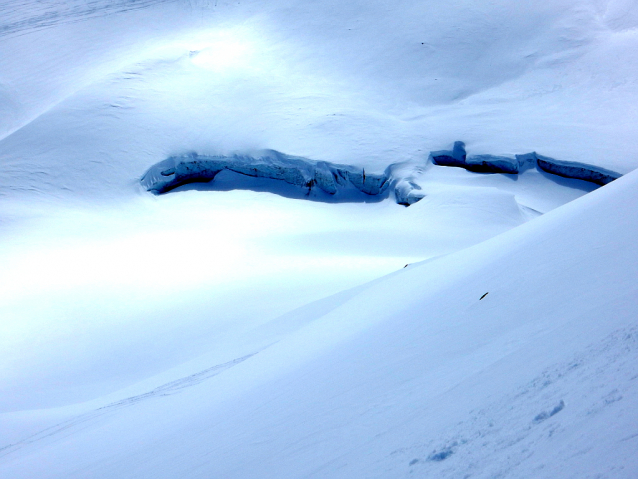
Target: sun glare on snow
column 221, row 55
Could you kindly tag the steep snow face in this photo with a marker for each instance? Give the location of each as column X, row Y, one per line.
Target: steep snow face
column 300, row 172
column 420, row 372
column 578, row 171
column 322, row 181
column 501, row 164
column 114, row 295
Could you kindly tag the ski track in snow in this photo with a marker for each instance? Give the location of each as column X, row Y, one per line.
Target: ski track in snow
column 167, row 389
column 500, row 437
column 20, row 18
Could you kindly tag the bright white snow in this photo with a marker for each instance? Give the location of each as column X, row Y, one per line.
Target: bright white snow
column 488, row 330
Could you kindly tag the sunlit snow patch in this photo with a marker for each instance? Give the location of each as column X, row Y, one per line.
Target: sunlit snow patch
column 220, row 55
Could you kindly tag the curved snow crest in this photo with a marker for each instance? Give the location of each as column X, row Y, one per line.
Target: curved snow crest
column 502, row 164
column 580, row 171
column 336, row 182
column 328, row 177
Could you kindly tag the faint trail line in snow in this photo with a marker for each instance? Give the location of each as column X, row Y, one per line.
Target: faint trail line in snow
column 20, row 18
column 167, row 389
column 179, row 384
column 499, row 438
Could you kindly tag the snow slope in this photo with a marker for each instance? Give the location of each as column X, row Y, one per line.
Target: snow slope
column 414, row 373
column 113, row 295
column 90, row 105
column 227, row 331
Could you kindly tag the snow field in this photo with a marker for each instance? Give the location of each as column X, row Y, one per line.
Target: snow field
column 243, row 334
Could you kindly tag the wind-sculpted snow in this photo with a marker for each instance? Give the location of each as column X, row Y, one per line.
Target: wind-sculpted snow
column 306, row 174
column 408, row 192
column 455, row 157
column 324, row 181
column 579, row 171
column 502, row 164
column 19, row 17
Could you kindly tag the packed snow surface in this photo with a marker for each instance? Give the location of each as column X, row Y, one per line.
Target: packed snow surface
column 229, row 329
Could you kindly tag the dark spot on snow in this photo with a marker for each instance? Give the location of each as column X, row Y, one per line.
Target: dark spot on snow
column 612, row 398
column 441, row 455
column 413, row 462
column 546, row 415
column 558, row 408
column 407, row 265
column 169, row 172
column 483, row 296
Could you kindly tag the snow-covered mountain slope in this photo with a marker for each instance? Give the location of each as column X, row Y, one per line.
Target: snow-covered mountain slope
column 220, row 330
column 90, row 105
column 509, row 358
column 112, row 296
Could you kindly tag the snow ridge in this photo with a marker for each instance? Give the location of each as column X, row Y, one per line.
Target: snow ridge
column 327, row 181
column 502, row 164
column 328, row 177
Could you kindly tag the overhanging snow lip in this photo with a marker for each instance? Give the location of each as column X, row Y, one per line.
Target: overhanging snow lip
column 299, row 177
column 457, row 157
column 308, row 175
